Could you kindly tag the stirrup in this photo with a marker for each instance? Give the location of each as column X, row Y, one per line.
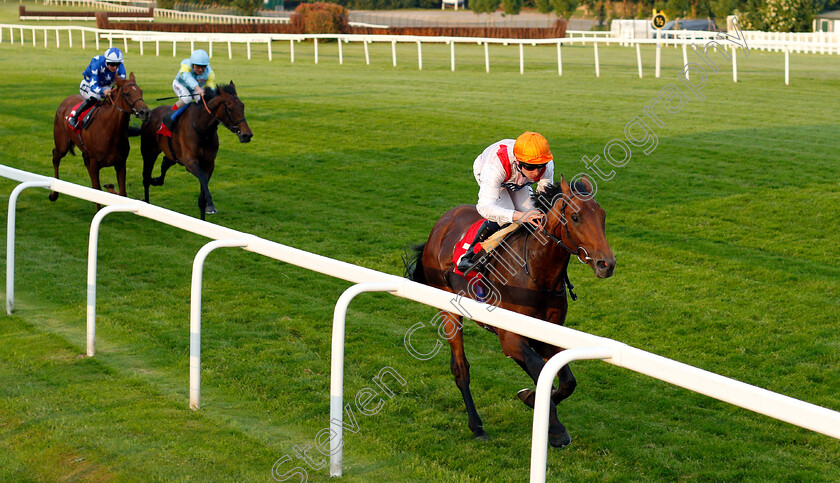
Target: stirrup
column 471, row 261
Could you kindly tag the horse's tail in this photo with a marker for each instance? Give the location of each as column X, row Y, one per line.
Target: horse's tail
column 413, row 266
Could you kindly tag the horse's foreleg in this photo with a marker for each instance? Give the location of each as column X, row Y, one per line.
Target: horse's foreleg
column 452, row 328
column 516, row 347
column 93, row 171
column 164, row 167
column 205, row 200
column 121, row 179
column 567, row 379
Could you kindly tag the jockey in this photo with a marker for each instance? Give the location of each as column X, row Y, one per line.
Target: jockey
column 505, row 172
column 98, row 79
column 195, row 74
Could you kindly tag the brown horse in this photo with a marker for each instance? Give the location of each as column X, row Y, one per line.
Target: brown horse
column 195, row 140
column 525, row 274
column 105, row 141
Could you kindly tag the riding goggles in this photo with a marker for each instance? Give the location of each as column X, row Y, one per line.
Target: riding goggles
column 113, row 64
column 530, row 167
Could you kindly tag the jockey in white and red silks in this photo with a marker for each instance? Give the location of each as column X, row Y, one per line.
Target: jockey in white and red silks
column 505, row 172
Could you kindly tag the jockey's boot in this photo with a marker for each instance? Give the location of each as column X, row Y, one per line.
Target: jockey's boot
column 167, row 120
column 74, row 116
column 470, row 261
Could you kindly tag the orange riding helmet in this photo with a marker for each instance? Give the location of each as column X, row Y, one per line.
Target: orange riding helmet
column 532, row 148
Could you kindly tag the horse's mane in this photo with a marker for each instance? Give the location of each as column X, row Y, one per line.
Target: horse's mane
column 211, row 93
column 544, row 200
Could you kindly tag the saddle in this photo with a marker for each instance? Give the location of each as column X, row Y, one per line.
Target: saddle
column 487, row 245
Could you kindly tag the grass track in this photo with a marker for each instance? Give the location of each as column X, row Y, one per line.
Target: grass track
column 726, row 237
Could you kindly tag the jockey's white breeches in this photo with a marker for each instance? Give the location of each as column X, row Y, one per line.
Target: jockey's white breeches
column 86, row 92
column 184, row 94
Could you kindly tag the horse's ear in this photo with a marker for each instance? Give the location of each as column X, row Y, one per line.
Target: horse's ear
column 131, row 76
column 564, row 186
column 586, row 183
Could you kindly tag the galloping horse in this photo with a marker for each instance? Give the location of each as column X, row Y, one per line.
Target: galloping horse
column 195, row 140
column 574, row 225
column 105, row 141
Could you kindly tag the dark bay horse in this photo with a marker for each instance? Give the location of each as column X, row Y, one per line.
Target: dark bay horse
column 525, row 274
column 105, row 141
column 195, row 140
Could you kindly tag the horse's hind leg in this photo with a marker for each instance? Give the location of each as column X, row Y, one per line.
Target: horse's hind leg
column 453, row 329
column 63, row 144
column 516, row 347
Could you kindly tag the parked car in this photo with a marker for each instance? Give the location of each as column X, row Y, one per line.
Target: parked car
column 705, row 24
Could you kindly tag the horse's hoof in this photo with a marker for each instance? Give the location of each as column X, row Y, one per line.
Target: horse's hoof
column 483, row 437
column 559, row 440
column 211, row 210
column 110, row 188
column 53, row 195
column 527, row 396
column 156, row 182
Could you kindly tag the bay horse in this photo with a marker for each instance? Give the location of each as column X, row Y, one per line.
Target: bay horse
column 525, row 274
column 195, row 140
column 105, row 141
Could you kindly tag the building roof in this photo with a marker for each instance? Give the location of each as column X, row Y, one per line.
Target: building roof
column 833, row 14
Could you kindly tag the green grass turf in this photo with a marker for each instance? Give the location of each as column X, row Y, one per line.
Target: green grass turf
column 726, row 238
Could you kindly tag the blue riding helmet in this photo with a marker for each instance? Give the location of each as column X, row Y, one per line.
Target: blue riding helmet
column 199, row 57
column 113, row 55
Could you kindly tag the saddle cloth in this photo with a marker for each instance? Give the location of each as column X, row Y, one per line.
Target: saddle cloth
column 82, row 118
column 163, row 130
column 488, row 245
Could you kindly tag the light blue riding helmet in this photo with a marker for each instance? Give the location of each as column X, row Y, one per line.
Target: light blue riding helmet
column 199, row 57
column 113, row 55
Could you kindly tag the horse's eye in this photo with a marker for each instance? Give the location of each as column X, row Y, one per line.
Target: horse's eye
column 575, row 217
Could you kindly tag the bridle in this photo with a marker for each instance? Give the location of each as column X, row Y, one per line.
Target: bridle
column 577, row 248
column 130, row 106
column 566, row 283
column 232, row 125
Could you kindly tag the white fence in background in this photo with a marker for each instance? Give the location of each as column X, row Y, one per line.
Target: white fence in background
column 23, row 34
column 580, row 345
column 216, row 18
column 111, row 6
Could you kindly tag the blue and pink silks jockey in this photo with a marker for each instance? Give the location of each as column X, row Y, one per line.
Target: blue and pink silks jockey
column 98, row 79
column 193, row 77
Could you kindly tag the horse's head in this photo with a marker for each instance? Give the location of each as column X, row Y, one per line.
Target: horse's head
column 128, row 97
column 577, row 222
column 230, row 111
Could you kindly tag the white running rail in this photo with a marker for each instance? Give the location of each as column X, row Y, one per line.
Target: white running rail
column 762, row 401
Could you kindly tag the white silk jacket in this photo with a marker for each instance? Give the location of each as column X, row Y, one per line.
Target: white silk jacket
column 503, row 189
